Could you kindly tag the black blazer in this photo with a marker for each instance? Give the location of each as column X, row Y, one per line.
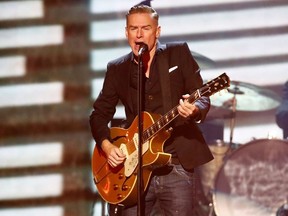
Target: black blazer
column 182, row 78
column 282, row 112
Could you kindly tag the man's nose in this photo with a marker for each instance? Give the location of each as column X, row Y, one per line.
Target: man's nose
column 139, row 33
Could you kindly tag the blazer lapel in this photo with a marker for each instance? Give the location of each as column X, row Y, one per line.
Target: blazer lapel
column 163, row 69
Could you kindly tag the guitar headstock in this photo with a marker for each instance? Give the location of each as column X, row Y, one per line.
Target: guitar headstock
column 217, row 84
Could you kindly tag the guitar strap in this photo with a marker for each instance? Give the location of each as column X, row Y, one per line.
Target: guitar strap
column 163, row 69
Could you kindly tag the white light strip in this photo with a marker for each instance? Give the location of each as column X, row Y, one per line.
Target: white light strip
column 215, row 50
column 100, row 57
column 96, row 87
column 224, row 21
column 38, row 154
column 101, row 30
column 120, row 113
column 98, row 208
column 184, row 3
column 31, row 36
column 43, row 211
column 12, row 66
column 247, row 133
column 199, row 23
column 242, row 48
column 31, row 94
column 97, row 6
column 262, row 75
column 21, row 9
column 31, row 187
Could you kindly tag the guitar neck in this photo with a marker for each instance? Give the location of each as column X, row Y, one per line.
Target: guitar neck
column 219, row 83
column 167, row 118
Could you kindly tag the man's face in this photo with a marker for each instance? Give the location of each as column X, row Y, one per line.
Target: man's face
column 142, row 27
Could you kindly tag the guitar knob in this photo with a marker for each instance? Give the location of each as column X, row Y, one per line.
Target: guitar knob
column 119, row 196
column 125, row 187
column 121, row 176
column 115, row 186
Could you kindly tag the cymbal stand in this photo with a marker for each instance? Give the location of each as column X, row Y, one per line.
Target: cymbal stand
column 233, row 117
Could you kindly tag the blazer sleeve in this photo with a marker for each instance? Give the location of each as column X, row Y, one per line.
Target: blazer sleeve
column 282, row 110
column 193, row 80
column 104, row 107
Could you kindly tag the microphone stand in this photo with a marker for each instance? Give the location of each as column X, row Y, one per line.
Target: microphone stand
column 140, row 139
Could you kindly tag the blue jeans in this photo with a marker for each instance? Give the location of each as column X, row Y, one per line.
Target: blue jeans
column 171, row 192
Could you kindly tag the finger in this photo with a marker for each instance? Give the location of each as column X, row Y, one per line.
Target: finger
column 119, row 153
column 112, row 162
column 185, row 96
column 185, row 108
column 114, row 159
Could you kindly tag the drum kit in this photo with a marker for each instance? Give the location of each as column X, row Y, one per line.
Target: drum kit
column 250, row 179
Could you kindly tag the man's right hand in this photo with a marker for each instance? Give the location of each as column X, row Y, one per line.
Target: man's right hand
column 114, row 155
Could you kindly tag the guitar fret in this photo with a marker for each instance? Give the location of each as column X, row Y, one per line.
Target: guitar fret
column 145, row 134
column 152, row 130
column 167, row 119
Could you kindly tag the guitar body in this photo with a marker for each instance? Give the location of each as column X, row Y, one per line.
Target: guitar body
column 119, row 185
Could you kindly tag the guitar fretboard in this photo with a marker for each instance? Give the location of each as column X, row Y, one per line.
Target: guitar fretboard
column 207, row 89
column 164, row 120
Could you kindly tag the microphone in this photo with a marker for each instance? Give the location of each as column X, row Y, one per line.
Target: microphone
column 142, row 48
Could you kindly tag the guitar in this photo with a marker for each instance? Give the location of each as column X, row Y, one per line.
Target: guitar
column 119, row 185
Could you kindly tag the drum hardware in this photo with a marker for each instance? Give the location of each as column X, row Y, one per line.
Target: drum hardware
column 283, row 210
column 208, row 171
column 249, row 98
column 240, row 96
column 234, row 91
column 253, row 180
column 243, row 97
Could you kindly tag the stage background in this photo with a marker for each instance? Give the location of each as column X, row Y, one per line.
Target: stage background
column 53, row 55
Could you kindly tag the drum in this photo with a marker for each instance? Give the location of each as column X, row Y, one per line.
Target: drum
column 209, row 170
column 253, row 180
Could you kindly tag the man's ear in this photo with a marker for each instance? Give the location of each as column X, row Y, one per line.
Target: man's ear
column 158, row 32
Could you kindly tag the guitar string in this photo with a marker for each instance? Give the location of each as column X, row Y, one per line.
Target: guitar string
column 166, row 119
column 99, row 170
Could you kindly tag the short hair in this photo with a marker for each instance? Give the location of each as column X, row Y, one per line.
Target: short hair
column 143, row 9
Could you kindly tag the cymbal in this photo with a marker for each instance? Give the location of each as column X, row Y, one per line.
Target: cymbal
column 248, row 97
column 203, row 61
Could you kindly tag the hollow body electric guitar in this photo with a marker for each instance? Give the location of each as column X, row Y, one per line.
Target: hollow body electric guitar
column 119, row 185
